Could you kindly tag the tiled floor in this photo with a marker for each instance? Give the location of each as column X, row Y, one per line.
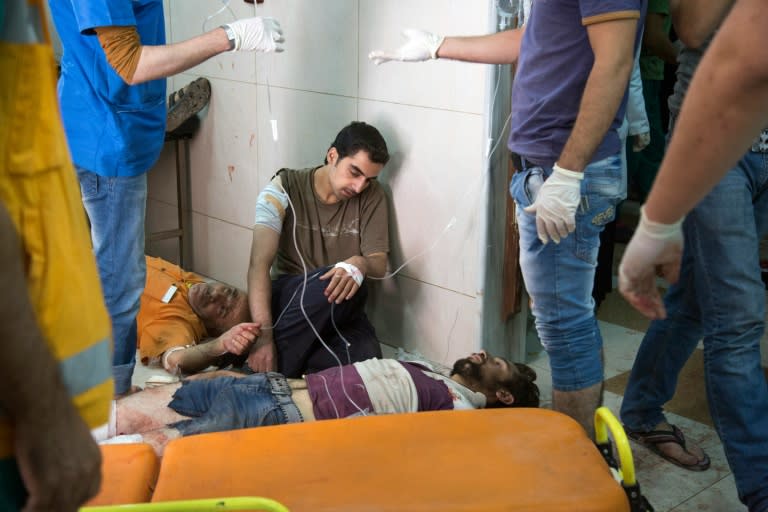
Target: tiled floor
column 667, row 487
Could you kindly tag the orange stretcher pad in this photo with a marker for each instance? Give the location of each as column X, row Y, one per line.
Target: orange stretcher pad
column 128, row 474
column 487, row 460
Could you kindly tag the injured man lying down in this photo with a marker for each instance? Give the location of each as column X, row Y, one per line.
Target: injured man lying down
column 227, row 400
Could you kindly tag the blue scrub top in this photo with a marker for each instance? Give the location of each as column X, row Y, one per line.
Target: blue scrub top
column 113, row 129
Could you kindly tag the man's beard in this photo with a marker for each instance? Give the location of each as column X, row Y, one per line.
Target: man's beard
column 468, row 369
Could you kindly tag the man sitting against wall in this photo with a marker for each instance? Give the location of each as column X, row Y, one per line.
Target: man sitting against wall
column 231, row 400
column 324, row 230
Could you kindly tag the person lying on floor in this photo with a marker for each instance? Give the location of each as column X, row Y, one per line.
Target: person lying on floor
column 227, row 400
column 188, row 324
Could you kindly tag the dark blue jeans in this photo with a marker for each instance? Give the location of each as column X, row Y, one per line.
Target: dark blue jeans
column 230, row 403
column 721, row 298
column 298, row 349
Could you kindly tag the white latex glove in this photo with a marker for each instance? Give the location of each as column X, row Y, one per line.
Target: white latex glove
column 257, row 35
column 640, row 141
column 555, row 206
column 655, row 249
column 420, row 46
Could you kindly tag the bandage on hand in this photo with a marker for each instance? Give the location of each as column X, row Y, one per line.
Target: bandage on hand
column 420, row 46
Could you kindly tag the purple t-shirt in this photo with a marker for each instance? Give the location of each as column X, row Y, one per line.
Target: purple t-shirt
column 555, row 61
column 329, row 401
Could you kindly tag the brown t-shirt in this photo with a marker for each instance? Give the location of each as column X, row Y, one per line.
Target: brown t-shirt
column 329, row 233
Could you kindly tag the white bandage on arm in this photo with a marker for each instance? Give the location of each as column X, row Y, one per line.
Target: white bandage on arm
column 352, row 271
column 271, row 205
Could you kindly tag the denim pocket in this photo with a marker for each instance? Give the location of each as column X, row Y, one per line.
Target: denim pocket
column 525, row 186
column 89, row 183
column 602, row 191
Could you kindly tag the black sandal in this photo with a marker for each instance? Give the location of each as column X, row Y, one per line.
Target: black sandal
column 653, row 438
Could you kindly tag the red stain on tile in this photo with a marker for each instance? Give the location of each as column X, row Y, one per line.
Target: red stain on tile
column 230, row 171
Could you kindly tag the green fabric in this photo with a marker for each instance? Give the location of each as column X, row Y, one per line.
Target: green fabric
column 643, row 166
column 12, row 492
column 651, row 67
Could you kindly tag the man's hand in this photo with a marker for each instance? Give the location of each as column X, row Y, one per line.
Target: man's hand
column 239, row 338
column 420, row 46
column 655, row 249
column 58, row 460
column 257, row 35
column 263, row 356
column 640, row 141
column 555, row 205
column 342, row 284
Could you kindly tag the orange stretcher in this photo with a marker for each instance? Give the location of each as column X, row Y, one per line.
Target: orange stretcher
column 486, row 460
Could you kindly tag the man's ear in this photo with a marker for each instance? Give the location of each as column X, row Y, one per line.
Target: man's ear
column 505, row 397
column 332, row 155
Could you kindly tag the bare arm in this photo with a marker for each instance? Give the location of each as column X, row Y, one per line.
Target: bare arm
column 656, row 40
column 696, row 20
column 162, row 61
column 59, row 461
column 726, row 106
column 499, row 48
column 612, row 43
column 263, row 252
column 374, row 265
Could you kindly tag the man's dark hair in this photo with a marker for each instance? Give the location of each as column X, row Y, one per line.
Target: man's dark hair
column 360, row 136
column 522, row 387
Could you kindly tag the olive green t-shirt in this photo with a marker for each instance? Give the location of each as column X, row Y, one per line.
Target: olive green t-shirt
column 329, row 233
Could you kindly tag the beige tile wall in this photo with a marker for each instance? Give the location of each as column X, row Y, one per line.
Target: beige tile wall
column 431, row 115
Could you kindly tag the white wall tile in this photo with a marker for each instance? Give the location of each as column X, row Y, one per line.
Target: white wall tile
column 223, row 154
column 441, row 324
column 320, row 46
column 435, row 176
column 439, row 84
column 221, row 250
column 307, row 123
column 187, row 18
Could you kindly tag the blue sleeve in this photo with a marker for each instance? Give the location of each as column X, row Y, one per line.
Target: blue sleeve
column 603, row 10
column 102, row 13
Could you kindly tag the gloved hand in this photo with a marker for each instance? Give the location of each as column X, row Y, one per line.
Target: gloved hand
column 640, row 141
column 257, row 35
column 555, row 205
column 654, row 249
column 420, row 46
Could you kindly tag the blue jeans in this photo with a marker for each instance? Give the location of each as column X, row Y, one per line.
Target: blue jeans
column 560, row 277
column 721, row 297
column 230, row 403
column 116, row 209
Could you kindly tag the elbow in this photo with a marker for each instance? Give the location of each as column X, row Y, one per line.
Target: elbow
column 691, row 37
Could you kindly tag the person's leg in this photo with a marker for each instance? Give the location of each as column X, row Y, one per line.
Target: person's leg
column 724, row 231
column 116, row 210
column 665, row 348
column 294, row 337
column 559, row 278
column 146, row 410
column 355, row 341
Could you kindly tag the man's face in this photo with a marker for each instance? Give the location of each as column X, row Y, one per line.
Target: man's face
column 483, row 370
column 219, row 306
column 352, row 174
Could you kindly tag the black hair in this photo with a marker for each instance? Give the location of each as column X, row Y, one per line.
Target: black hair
column 521, row 386
column 360, row 136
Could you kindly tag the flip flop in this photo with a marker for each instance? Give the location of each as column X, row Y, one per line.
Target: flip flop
column 653, row 438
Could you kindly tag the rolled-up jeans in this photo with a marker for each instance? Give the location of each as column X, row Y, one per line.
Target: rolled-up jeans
column 229, row 403
column 720, row 297
column 559, row 276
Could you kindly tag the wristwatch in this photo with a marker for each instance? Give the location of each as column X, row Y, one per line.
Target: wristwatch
column 230, row 35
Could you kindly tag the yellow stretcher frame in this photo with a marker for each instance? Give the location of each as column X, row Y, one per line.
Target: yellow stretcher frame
column 202, row 505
